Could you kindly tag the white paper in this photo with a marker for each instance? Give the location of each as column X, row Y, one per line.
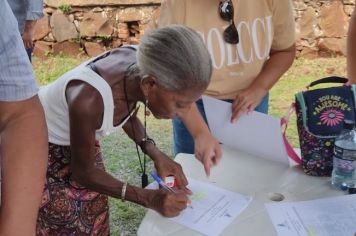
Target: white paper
column 323, row 217
column 212, row 208
column 256, row 133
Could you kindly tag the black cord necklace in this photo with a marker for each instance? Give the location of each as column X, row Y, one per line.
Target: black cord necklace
column 144, row 177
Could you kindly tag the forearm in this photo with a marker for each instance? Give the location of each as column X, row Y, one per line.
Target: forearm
column 351, row 50
column 135, row 130
column 278, row 63
column 27, row 35
column 194, row 122
column 102, row 182
column 24, row 154
column 30, row 26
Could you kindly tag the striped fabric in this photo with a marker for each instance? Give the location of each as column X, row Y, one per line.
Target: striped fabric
column 16, row 76
column 26, row 10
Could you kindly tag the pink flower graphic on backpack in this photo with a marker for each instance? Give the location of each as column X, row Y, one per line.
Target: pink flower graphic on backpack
column 331, row 117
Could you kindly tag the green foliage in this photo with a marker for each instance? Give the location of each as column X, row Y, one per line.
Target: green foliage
column 78, row 39
column 120, row 153
column 65, row 8
column 106, row 39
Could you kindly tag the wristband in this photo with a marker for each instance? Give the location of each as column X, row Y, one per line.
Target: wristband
column 143, row 142
column 123, row 192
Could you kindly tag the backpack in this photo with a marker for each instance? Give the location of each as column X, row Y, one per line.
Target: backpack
column 320, row 115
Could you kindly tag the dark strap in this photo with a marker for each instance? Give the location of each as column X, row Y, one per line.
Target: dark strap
column 331, row 79
column 133, row 47
column 93, row 67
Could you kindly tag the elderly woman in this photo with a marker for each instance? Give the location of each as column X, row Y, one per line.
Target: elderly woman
column 168, row 72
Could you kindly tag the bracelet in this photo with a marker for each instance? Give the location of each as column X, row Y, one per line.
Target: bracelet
column 143, row 142
column 123, row 192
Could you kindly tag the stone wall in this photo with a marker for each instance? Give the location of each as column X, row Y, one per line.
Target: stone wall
column 79, row 27
column 90, row 27
column 322, row 26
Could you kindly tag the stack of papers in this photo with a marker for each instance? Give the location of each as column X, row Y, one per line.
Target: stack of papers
column 323, row 217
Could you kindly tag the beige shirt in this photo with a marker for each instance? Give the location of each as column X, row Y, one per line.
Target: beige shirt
column 262, row 25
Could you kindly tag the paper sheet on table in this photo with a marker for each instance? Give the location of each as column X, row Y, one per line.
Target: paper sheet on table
column 322, row 217
column 212, row 208
column 256, row 133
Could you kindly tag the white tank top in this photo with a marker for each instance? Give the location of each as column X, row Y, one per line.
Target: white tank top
column 55, row 105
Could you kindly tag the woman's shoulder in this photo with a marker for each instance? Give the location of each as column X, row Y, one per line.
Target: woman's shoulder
column 84, row 99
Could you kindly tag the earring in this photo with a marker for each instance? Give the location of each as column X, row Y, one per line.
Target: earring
column 147, row 112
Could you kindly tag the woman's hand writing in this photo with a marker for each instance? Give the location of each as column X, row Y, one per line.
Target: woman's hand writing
column 169, row 204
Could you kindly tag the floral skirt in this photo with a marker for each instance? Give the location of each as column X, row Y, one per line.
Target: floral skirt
column 68, row 209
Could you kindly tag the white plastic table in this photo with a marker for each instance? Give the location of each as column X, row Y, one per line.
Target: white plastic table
column 248, row 175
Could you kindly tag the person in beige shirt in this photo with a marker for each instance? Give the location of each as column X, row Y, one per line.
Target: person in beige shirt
column 351, row 50
column 251, row 43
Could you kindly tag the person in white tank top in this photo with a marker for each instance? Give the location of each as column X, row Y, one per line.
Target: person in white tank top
column 168, row 72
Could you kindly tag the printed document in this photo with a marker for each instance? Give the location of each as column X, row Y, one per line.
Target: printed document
column 212, row 208
column 322, row 217
column 256, row 133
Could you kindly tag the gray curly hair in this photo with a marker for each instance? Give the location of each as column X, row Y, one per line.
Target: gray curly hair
column 176, row 56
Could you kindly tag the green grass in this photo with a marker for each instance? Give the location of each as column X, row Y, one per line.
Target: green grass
column 120, row 153
column 52, row 67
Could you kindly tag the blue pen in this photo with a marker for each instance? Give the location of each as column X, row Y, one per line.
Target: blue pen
column 161, row 182
column 164, row 185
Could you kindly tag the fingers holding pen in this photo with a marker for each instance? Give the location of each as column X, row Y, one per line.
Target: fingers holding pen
column 170, row 204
